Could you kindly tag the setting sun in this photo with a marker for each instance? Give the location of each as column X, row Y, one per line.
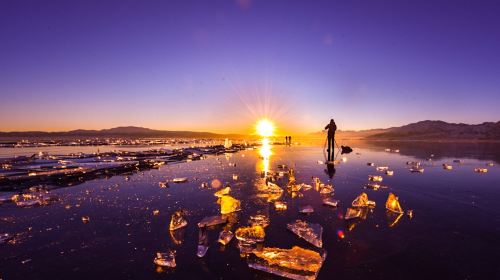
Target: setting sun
column 265, row 128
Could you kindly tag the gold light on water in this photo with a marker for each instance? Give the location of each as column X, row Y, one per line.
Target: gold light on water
column 265, row 152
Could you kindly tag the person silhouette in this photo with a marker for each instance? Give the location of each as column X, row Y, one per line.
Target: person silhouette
column 332, row 128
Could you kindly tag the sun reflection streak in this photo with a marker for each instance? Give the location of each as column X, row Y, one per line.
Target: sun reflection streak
column 265, row 152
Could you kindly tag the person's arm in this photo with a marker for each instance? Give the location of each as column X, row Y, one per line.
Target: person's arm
column 327, row 126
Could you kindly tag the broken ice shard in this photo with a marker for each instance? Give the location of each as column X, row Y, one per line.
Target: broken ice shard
column 481, row 170
column 447, row 166
column 326, row 189
column 306, row 209
column 362, row 201
column 373, row 186
column 4, row 237
column 166, row 259
column 259, row 220
column 392, row 204
column 229, row 204
column 223, row 192
column 330, row 202
column 180, row 180
column 382, row 168
column 251, row 234
column 225, row 237
column 177, row 221
column 352, row 213
column 312, row 233
column 295, row 263
column 212, row 221
column 375, row 178
column 280, row 205
column 202, row 242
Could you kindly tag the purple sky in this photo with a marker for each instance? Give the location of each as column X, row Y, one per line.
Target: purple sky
column 220, row 65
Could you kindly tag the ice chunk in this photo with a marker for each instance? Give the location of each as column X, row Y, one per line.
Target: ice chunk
column 212, row 221
column 4, row 237
column 331, row 202
column 163, row 185
column 305, row 187
column 296, row 263
column 362, row 201
column 312, row 233
column 409, row 213
column 180, row 180
column 251, row 234
column 229, row 204
column 235, row 177
column 280, row 205
column 259, row 220
column 166, row 259
column 223, row 192
column 85, row 219
column 389, row 172
column 177, row 221
column 417, row 169
column 375, row 178
column 481, row 170
column 225, row 237
column 370, row 164
column 326, row 189
column 269, row 187
column 352, row 213
column 447, row 166
column 382, row 168
column 202, row 242
column 373, row 186
column 306, row 209
column 392, row 204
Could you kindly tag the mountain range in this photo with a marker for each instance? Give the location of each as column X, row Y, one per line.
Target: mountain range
column 428, row 130
column 123, row 131
column 423, row 130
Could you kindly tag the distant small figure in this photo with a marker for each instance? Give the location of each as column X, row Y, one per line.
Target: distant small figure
column 288, row 140
column 332, row 128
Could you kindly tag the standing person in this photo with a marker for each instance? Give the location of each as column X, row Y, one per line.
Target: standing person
column 332, row 127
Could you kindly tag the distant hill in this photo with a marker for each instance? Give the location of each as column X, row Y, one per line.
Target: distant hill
column 123, row 131
column 428, row 130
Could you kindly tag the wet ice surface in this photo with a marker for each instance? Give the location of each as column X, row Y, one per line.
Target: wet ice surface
column 453, row 233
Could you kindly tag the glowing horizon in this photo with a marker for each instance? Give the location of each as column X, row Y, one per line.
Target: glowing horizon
column 202, row 67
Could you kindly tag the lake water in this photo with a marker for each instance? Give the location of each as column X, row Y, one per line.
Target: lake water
column 454, row 232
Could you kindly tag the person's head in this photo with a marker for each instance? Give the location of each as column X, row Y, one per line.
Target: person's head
column 332, row 121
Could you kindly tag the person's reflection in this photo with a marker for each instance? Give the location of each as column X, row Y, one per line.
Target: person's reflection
column 330, row 169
